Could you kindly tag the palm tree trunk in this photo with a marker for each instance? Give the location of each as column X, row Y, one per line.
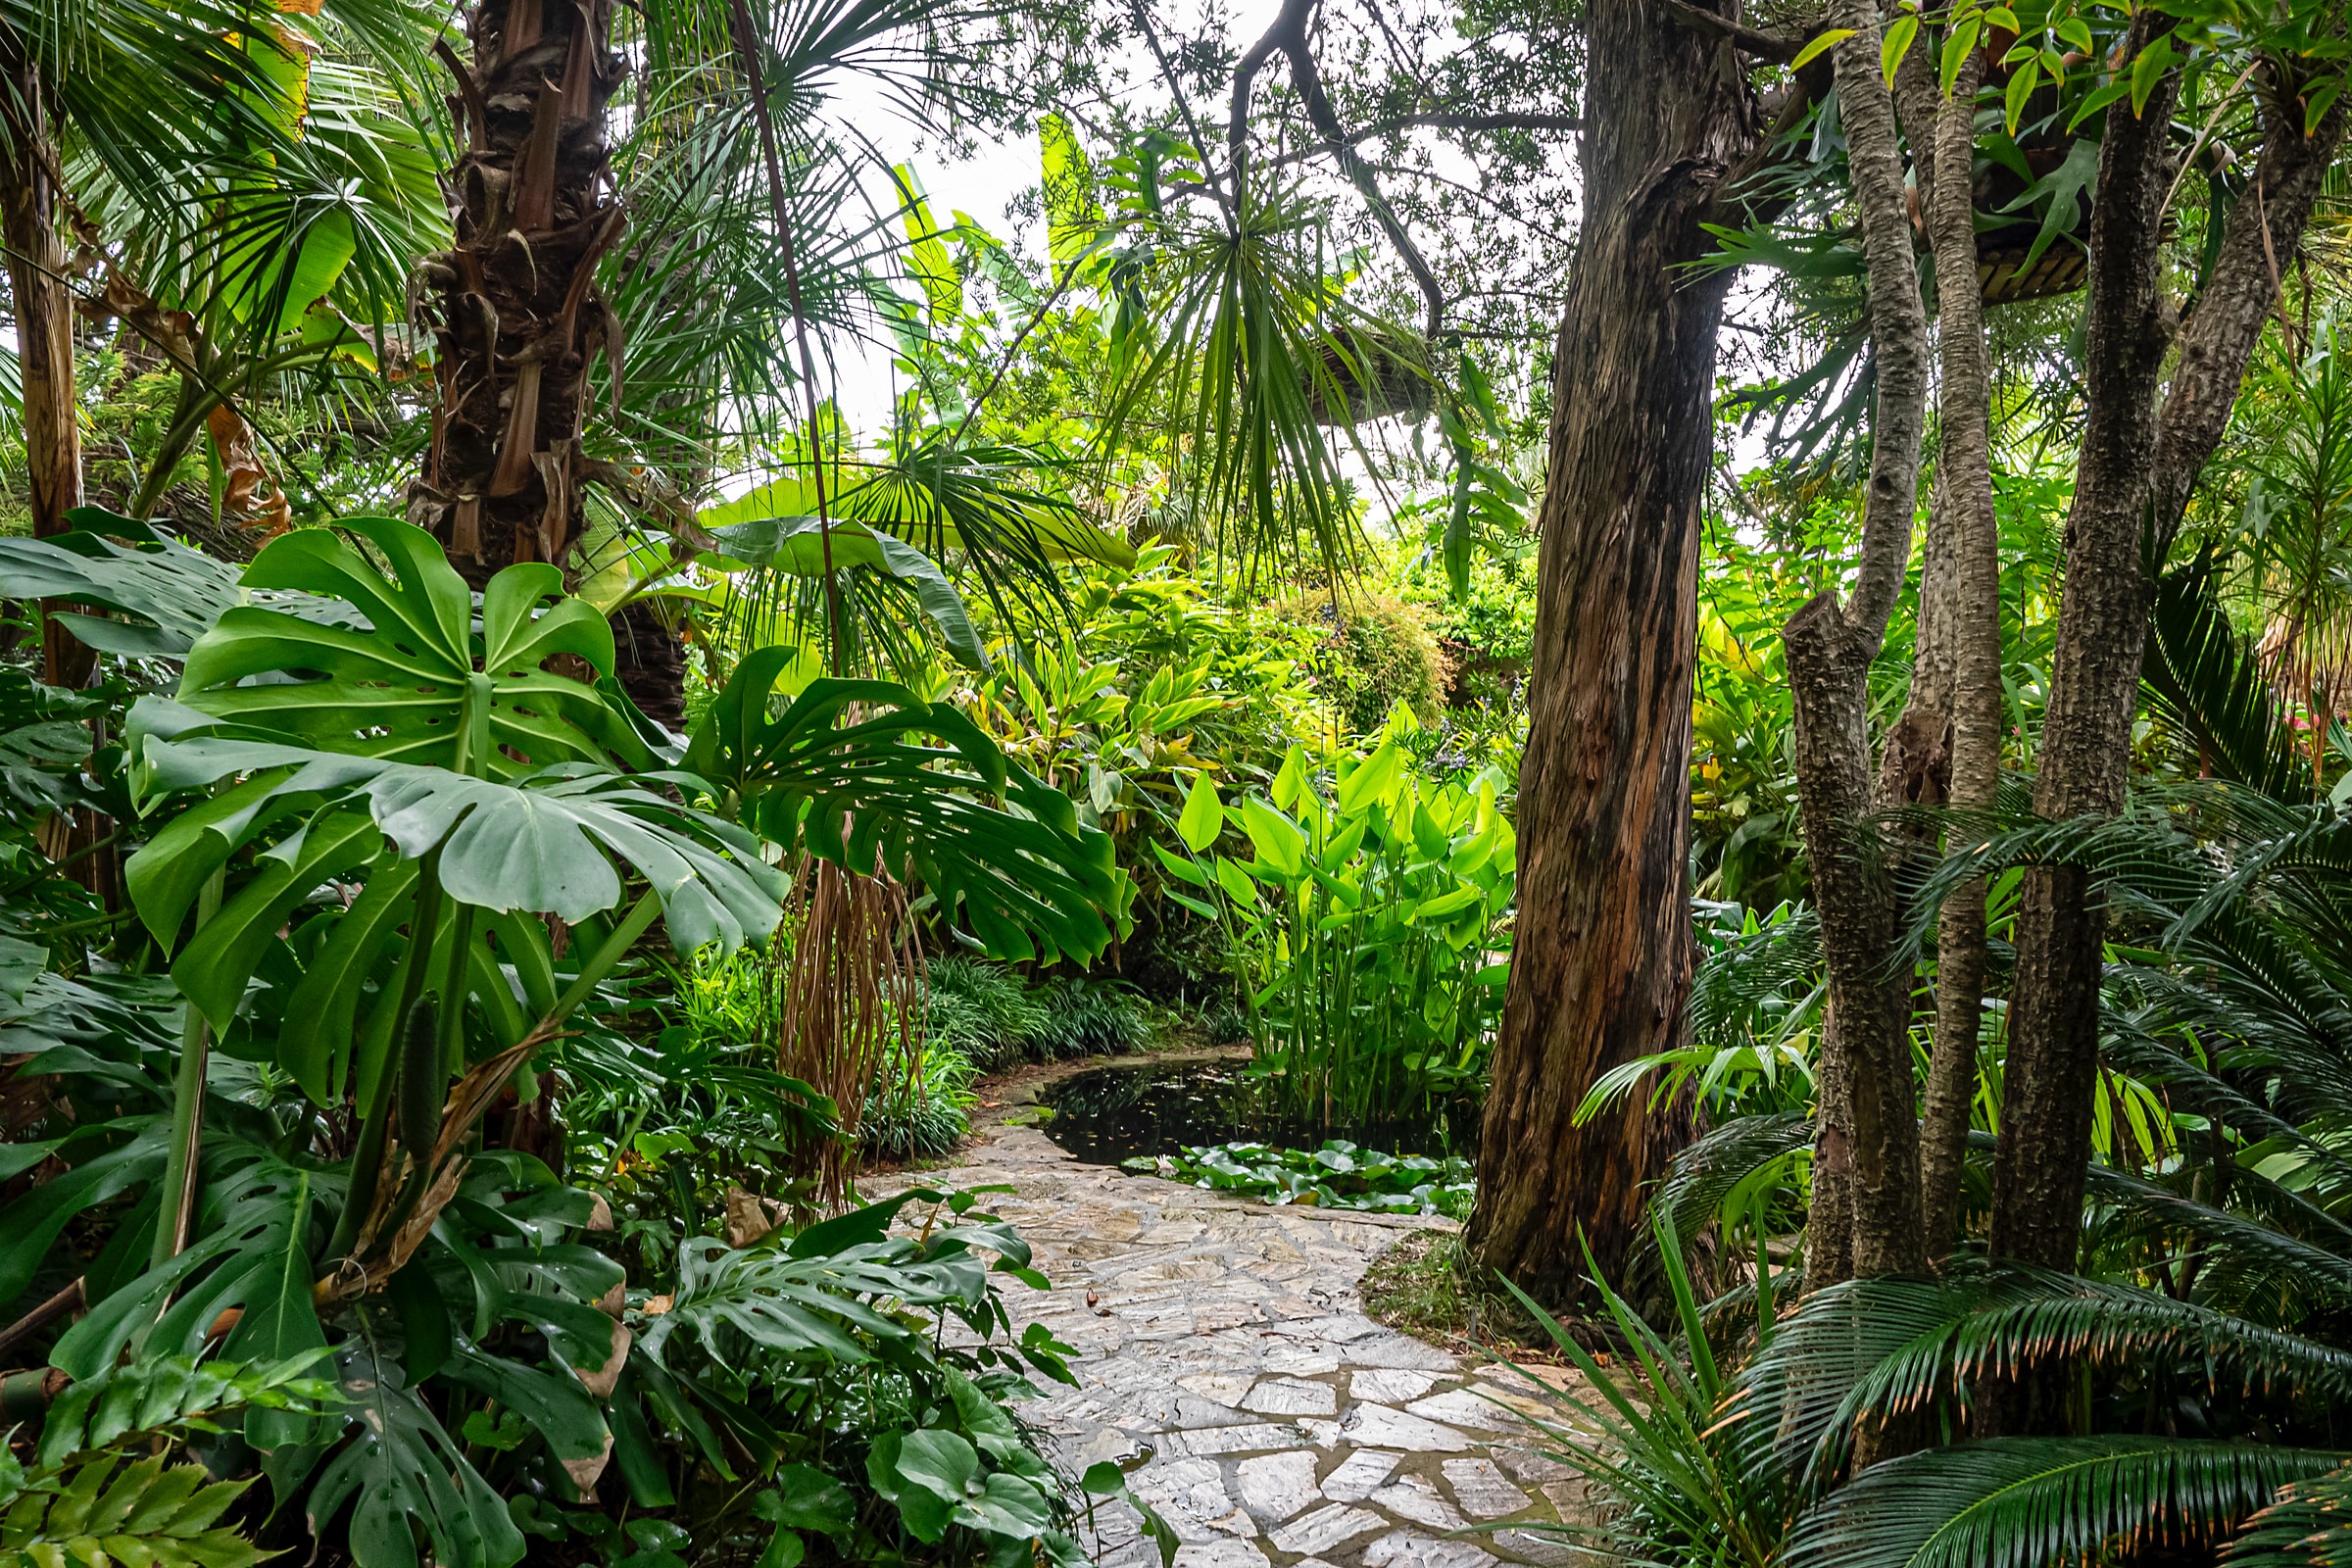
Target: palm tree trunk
column 1601, row 960
column 518, row 314
column 1967, row 599
column 44, row 308
column 2140, row 460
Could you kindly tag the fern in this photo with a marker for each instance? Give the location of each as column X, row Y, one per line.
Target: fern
column 102, row 1510
column 2021, row 1502
column 1890, row 1344
column 89, row 1500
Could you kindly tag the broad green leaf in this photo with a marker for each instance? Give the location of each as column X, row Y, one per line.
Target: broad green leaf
column 397, row 690
column 1370, row 780
column 1203, row 818
column 1274, row 836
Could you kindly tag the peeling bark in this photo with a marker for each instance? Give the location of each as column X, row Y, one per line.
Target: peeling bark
column 1603, row 952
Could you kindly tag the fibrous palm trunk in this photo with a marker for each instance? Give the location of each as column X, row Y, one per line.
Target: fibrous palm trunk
column 518, row 317
column 1602, row 953
column 2140, row 460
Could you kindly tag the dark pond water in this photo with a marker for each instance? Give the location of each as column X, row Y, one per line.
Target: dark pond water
column 1114, row 1113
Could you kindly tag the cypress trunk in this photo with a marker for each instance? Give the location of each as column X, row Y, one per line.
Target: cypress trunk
column 1602, row 956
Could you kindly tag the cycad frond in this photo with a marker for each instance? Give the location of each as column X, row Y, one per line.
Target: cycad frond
column 1889, row 1345
column 2309, row 1525
column 2021, row 1502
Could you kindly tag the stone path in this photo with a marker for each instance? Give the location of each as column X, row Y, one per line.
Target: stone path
column 1225, row 1362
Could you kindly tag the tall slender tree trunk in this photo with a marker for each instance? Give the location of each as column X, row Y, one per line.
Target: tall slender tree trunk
column 1602, row 956
column 44, row 309
column 2139, row 463
column 1867, row 1133
column 1960, row 626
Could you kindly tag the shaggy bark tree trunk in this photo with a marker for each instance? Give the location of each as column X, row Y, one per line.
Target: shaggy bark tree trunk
column 2136, row 470
column 1867, row 1132
column 518, row 311
column 44, row 311
column 1960, row 597
column 1604, row 950
column 520, row 315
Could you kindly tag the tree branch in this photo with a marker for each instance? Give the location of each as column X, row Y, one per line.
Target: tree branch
column 1770, row 46
column 1288, row 35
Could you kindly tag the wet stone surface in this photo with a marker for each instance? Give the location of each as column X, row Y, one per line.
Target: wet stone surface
column 1225, row 1362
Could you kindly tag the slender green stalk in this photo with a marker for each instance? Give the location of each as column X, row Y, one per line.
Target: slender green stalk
column 177, row 1205
column 366, row 1166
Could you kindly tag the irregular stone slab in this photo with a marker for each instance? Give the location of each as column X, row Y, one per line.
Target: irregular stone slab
column 1358, row 1475
column 1292, row 1397
column 1219, row 1554
column 1194, row 1411
column 1255, row 1437
column 1571, row 1501
column 1225, row 1388
column 1332, row 1525
column 1465, row 1407
column 1341, row 1327
column 1322, row 1434
column 1396, row 1350
column 1404, row 1550
column 1389, row 1386
column 1479, row 1487
column 1536, row 1549
column 1308, row 1357
column 1417, row 1498
column 1190, row 1494
column 1276, row 1485
column 1531, row 1467
column 1376, row 1426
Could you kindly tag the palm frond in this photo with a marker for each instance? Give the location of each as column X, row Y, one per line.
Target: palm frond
column 2020, row 1502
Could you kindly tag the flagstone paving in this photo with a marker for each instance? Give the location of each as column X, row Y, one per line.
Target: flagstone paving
column 1224, row 1361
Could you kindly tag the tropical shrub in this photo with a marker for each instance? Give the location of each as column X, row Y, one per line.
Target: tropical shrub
column 1375, row 653
column 1371, row 925
column 984, row 1010
column 915, row 1109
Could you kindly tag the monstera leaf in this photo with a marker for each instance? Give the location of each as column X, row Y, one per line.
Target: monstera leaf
column 1030, row 879
column 175, row 593
column 543, row 843
column 398, row 688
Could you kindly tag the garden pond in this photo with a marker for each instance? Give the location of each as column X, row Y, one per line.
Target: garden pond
column 1215, row 1123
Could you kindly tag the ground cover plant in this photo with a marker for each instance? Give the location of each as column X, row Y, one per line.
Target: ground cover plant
column 1338, row 1175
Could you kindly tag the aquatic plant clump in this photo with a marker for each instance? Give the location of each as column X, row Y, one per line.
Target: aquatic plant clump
column 1338, row 1175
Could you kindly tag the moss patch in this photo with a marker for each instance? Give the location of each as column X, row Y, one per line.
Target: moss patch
column 1428, row 1286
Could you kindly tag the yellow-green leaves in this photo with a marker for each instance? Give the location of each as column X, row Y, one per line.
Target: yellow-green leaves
column 1274, row 836
column 1203, row 817
column 1820, row 44
column 1956, row 46
column 1897, row 43
column 2148, row 70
